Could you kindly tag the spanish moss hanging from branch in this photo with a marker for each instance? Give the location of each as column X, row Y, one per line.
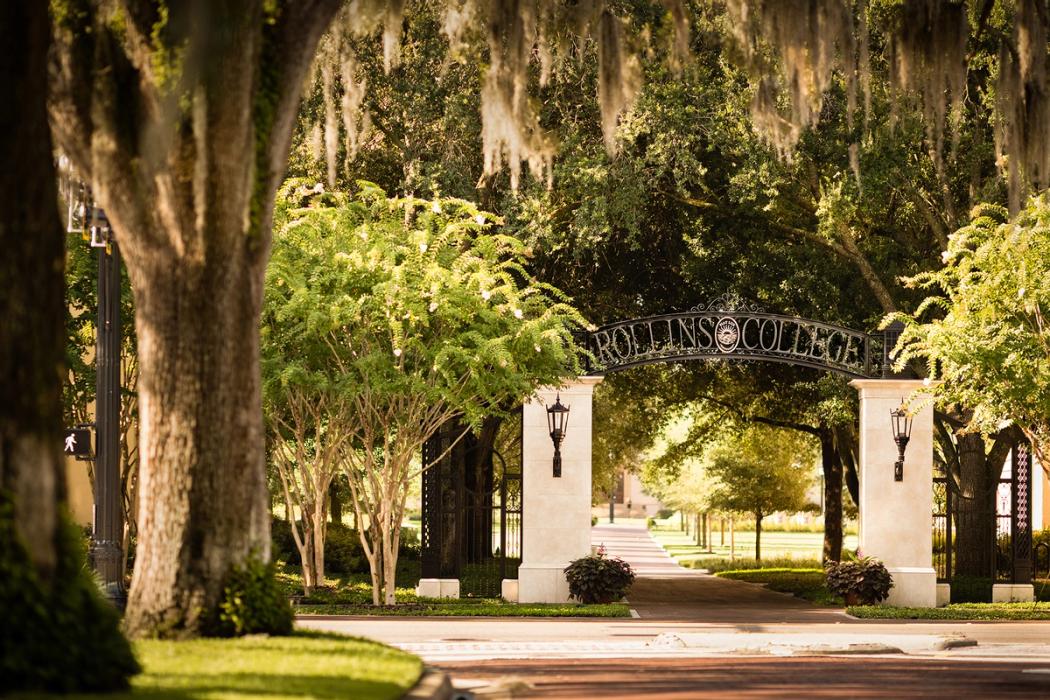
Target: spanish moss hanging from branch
column 792, row 49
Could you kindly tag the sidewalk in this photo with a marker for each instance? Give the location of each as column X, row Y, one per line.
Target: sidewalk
column 666, row 591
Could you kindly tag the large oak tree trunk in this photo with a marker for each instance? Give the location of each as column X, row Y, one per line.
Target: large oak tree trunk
column 204, row 504
column 182, row 124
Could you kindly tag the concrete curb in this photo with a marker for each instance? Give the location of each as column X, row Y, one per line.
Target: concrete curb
column 809, row 644
column 432, row 685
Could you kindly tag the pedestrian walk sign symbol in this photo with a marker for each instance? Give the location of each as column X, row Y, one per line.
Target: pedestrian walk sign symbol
column 77, row 442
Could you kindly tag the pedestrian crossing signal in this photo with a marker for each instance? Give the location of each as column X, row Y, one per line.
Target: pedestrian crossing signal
column 77, row 442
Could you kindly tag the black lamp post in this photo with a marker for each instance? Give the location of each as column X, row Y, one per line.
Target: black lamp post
column 107, row 551
column 557, row 419
column 901, row 421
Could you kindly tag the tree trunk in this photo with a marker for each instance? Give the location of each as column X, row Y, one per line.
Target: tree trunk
column 732, row 540
column 32, row 289
column 186, row 156
column 832, row 469
column 320, row 525
column 758, row 535
column 847, row 446
column 975, row 510
column 57, row 633
column 335, row 503
column 204, row 502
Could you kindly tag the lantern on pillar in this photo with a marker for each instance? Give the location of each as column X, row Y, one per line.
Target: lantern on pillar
column 557, row 420
column 901, row 422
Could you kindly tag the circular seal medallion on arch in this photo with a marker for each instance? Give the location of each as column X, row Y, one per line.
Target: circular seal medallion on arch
column 727, row 334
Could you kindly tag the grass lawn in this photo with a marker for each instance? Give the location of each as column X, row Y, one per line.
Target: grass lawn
column 803, row 546
column 305, row 665
column 956, row 611
column 352, row 595
column 807, row 583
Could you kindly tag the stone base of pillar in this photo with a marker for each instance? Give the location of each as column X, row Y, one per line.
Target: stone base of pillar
column 509, row 590
column 542, row 584
column 913, row 587
column 944, row 594
column 438, row 588
column 1013, row 593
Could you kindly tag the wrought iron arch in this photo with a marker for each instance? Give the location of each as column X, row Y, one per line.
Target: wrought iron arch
column 730, row 328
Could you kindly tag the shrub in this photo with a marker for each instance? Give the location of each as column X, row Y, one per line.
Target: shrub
column 64, row 637
column 747, row 563
column 598, row 579
column 343, row 553
column 408, row 545
column 342, row 548
column 865, row 581
column 594, row 520
column 252, row 603
column 650, row 523
column 664, row 514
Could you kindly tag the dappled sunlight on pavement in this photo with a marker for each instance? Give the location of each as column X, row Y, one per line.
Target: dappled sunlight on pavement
column 665, row 590
column 632, row 543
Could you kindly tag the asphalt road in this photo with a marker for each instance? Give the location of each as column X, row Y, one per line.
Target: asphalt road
column 820, row 677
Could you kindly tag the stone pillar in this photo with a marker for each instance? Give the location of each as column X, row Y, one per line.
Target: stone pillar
column 896, row 516
column 556, row 512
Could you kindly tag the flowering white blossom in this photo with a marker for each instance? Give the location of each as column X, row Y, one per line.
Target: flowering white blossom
column 480, row 219
column 422, row 247
column 433, row 306
column 485, row 294
column 436, row 207
column 397, row 352
column 517, row 313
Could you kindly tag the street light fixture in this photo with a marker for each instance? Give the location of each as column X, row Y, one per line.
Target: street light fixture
column 901, row 421
column 557, row 420
column 107, row 533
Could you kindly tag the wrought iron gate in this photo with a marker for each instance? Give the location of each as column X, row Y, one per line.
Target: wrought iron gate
column 472, row 508
column 1010, row 523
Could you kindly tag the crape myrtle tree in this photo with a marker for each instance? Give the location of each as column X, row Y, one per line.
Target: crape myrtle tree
column 760, row 471
column 989, row 338
column 401, row 314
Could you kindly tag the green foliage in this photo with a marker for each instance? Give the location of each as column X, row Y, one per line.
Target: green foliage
column 596, row 578
column 866, row 579
column 253, row 602
column 343, row 553
column 989, row 338
column 716, row 566
column 806, row 583
column 468, row 607
column 955, row 611
column 408, row 298
column 63, row 636
column 760, row 471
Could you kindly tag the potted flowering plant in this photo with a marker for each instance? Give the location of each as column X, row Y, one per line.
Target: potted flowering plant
column 860, row 581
